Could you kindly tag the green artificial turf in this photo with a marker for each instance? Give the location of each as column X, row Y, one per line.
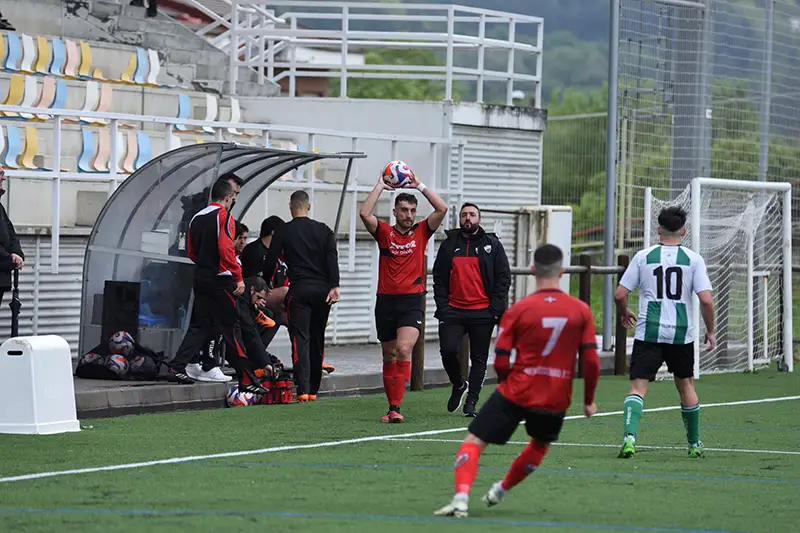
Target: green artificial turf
column 395, row 485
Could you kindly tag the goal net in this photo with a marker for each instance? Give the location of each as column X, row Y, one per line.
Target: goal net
column 742, row 229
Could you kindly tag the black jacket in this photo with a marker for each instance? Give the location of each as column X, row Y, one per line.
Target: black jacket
column 493, row 262
column 9, row 244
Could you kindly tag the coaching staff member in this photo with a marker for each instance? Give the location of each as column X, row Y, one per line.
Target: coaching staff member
column 471, row 278
column 217, row 283
column 11, row 256
column 309, row 250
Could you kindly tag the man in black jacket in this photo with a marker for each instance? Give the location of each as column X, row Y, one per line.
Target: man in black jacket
column 309, row 250
column 11, row 256
column 471, row 279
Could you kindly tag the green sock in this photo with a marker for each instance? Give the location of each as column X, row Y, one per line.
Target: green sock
column 633, row 412
column 691, row 421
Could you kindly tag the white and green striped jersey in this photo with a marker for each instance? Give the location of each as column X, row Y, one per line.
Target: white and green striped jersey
column 666, row 277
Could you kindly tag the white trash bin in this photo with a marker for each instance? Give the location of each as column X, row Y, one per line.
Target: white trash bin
column 37, row 392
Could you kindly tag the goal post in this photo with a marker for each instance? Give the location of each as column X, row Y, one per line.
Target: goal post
column 742, row 229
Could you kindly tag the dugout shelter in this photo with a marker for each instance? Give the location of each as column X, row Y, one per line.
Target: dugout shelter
column 136, row 273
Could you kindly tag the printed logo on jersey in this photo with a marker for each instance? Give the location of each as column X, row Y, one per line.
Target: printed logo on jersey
column 402, row 249
column 488, row 248
column 549, row 299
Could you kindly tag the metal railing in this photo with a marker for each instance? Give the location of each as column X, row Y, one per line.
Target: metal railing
column 255, row 37
column 585, row 270
column 440, row 171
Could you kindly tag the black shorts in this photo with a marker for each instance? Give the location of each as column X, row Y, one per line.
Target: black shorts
column 393, row 311
column 647, row 358
column 499, row 418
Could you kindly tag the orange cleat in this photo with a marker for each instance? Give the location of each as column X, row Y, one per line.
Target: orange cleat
column 393, row 416
column 263, row 320
column 312, row 397
column 328, row 368
column 303, row 398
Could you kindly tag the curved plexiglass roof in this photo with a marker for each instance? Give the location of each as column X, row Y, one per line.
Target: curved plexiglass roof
column 139, row 236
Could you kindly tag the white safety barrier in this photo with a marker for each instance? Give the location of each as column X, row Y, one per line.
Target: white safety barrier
column 37, row 392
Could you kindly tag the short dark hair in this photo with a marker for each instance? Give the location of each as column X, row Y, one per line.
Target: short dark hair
column 255, row 282
column 231, row 176
column 241, row 228
column 672, row 218
column 299, row 198
column 547, row 261
column 220, row 190
column 469, row 204
column 405, row 197
column 270, row 225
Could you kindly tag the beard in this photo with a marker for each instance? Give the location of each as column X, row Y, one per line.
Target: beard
column 472, row 229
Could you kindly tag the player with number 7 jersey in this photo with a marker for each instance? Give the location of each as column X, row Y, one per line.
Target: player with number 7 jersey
column 546, row 330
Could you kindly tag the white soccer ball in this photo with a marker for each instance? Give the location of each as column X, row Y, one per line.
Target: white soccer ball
column 121, row 343
column 237, row 398
column 397, row 174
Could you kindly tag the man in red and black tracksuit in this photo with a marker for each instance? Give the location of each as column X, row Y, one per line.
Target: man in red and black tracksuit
column 471, row 279
column 217, row 283
column 309, row 249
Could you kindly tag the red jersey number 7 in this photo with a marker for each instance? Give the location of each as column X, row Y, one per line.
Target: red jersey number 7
column 557, row 325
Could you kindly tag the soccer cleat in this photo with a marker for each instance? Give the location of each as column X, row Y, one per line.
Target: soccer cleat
column 253, row 388
column 628, row 450
column 696, row 450
column 179, row 376
column 494, row 495
column 469, row 408
column 457, row 509
column 312, row 397
column 303, row 398
column 456, row 397
column 328, row 369
column 393, row 416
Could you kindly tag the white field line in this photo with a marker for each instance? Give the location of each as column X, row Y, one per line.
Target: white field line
column 291, row 447
column 584, row 445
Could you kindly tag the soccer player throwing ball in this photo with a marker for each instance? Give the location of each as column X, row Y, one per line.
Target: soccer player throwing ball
column 666, row 276
column 545, row 329
column 400, row 302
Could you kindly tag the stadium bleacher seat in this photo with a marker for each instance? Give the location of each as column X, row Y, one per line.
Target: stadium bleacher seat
column 13, row 147
column 44, row 56
column 14, row 52
column 28, row 54
column 73, row 59
column 59, row 58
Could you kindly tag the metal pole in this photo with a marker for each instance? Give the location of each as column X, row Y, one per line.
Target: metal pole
column 233, row 75
column 55, row 235
column 766, row 96
column 341, row 198
column 611, row 173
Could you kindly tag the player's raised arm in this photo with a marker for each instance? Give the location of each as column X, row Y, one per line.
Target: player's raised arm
column 436, row 218
column 367, row 211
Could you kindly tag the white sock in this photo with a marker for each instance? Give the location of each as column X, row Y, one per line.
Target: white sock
column 462, row 496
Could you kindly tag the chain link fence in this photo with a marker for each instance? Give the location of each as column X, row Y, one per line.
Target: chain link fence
column 709, row 92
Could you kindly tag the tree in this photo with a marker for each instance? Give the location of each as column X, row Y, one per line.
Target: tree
column 396, row 89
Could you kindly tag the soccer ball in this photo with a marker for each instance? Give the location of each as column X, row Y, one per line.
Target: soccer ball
column 236, row 398
column 117, row 364
column 397, row 174
column 91, row 358
column 121, row 343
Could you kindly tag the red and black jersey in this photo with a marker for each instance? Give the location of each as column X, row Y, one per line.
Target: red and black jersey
column 209, row 244
column 471, row 272
column 546, row 329
column 401, row 267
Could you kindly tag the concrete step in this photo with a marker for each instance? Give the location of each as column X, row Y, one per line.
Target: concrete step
column 181, row 36
column 104, row 9
column 243, row 88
